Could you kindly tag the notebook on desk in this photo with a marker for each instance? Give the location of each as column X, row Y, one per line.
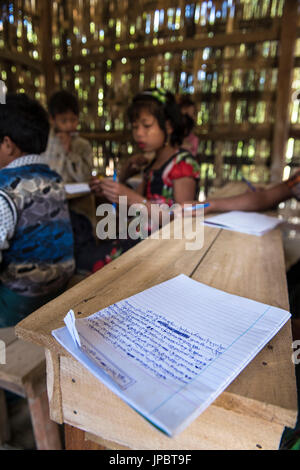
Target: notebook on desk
column 77, row 188
column 251, row 223
column 170, row 350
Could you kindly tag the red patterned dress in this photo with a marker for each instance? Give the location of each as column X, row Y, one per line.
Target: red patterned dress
column 159, row 190
column 160, row 182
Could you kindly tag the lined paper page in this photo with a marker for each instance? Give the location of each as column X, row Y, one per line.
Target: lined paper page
column 171, row 350
column 252, row 223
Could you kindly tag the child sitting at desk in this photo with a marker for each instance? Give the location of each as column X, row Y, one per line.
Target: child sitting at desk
column 172, row 177
column 36, row 241
column 72, row 158
column 68, row 154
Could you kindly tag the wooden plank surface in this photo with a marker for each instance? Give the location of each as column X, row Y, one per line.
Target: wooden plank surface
column 23, row 360
column 144, row 266
column 253, row 267
column 256, row 406
column 8, row 335
column 264, row 393
column 90, row 405
column 149, row 263
column 76, row 440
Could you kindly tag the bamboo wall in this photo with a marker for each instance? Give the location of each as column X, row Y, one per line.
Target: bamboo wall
column 20, row 65
column 229, row 54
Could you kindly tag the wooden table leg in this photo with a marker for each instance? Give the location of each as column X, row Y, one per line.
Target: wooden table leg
column 46, row 432
column 296, row 328
column 75, row 440
column 4, row 421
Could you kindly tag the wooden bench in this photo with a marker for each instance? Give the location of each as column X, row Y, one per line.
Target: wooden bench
column 24, row 373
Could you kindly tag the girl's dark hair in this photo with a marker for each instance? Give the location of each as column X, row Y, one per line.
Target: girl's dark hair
column 62, row 102
column 186, row 101
column 162, row 105
column 25, row 121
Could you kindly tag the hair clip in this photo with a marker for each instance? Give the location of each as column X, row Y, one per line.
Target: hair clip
column 159, row 94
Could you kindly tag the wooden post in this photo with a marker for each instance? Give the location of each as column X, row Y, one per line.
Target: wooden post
column 218, row 164
column 46, row 431
column 47, row 49
column 4, row 421
column 75, row 440
column 288, row 38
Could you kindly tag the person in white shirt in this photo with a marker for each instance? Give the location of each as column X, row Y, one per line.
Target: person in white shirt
column 67, row 153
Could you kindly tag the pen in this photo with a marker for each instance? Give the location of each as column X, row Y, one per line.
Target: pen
column 249, row 184
column 115, row 177
column 193, row 208
column 196, row 207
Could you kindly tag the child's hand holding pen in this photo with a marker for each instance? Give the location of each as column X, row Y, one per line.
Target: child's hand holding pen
column 95, row 186
column 98, row 174
column 112, row 190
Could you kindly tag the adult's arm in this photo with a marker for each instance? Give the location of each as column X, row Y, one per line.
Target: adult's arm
column 252, row 201
column 184, row 189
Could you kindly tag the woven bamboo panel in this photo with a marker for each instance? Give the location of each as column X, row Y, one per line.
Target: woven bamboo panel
column 20, row 53
column 224, row 53
column 108, row 50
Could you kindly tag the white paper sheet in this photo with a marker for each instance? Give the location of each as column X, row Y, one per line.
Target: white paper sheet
column 77, row 188
column 252, row 223
column 171, row 350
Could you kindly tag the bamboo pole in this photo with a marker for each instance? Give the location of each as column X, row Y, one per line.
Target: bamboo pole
column 285, row 72
column 47, row 50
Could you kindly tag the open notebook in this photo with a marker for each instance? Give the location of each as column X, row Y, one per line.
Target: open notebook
column 77, row 188
column 170, row 350
column 252, row 223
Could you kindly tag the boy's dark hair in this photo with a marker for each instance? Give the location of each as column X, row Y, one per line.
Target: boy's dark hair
column 62, row 102
column 25, row 121
column 163, row 106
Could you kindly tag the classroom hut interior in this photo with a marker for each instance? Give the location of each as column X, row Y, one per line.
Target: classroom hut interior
column 238, row 59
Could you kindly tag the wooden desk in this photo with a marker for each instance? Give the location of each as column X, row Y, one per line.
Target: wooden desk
column 250, row 414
